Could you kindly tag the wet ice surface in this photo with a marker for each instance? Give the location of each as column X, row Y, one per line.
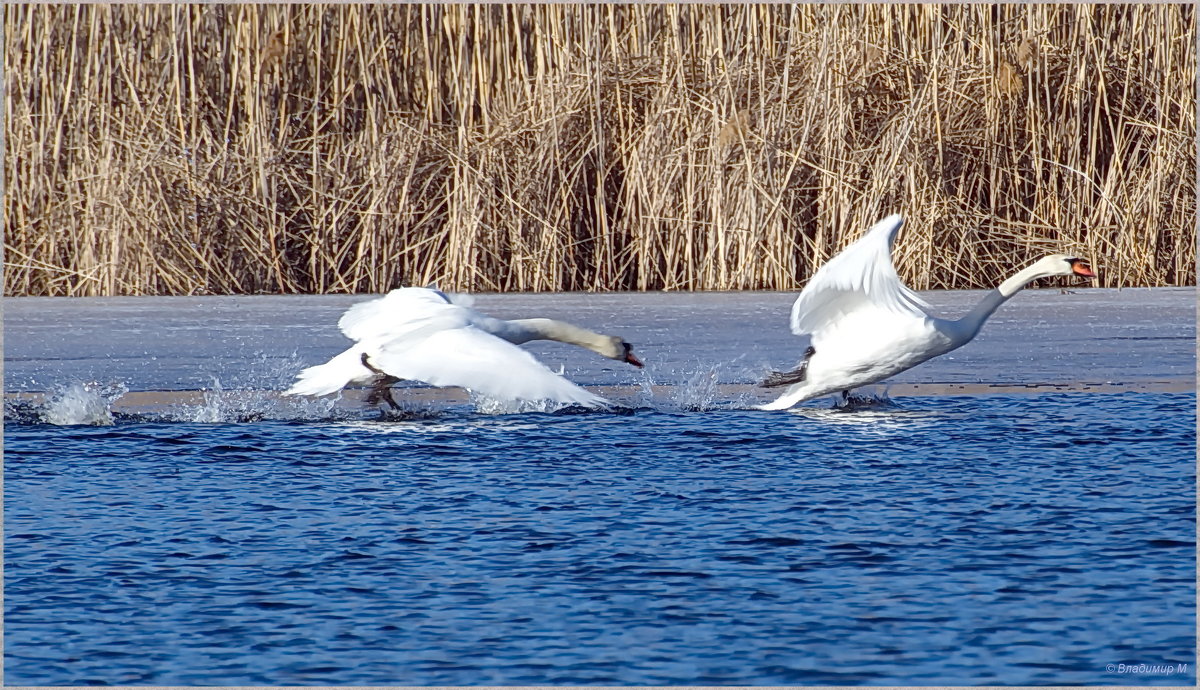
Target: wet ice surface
column 259, row 342
column 236, row 539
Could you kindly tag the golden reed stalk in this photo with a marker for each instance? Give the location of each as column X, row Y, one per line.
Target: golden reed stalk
column 199, row 149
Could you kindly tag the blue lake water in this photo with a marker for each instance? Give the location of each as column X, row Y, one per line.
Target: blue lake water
column 206, row 532
column 991, row 539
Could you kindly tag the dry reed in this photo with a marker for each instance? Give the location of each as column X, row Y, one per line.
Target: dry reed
column 196, row 149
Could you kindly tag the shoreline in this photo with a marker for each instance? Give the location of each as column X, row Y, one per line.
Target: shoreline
column 717, row 345
column 156, row 399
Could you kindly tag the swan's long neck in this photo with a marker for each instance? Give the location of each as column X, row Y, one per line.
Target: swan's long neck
column 968, row 326
column 523, row 330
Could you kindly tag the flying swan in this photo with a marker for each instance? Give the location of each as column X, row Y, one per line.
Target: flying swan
column 866, row 325
column 422, row 334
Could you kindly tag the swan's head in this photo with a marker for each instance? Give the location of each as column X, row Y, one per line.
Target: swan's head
column 618, row 349
column 1063, row 265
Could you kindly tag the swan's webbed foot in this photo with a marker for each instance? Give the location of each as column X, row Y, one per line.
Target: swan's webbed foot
column 381, row 389
column 787, row 378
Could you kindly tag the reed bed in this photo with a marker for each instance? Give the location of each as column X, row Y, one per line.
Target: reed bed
column 201, row 149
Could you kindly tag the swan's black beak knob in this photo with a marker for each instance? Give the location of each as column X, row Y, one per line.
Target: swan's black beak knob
column 629, row 356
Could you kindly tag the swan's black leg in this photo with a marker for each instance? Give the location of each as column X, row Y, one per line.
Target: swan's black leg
column 374, row 370
column 787, row 378
column 381, row 390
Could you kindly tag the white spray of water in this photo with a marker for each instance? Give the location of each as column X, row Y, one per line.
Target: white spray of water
column 221, row 406
column 217, row 406
column 82, row 404
column 699, row 390
column 486, row 405
column 254, row 396
column 645, row 395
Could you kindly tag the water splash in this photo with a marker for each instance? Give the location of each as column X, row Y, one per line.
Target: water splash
column 644, row 395
column 82, row 404
column 871, row 401
column 252, row 396
column 221, row 406
column 697, row 392
column 493, row 406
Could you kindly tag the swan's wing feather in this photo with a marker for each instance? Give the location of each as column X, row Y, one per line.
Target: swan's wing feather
column 401, row 312
column 462, row 299
column 480, row 362
column 866, row 329
column 339, row 372
column 861, row 275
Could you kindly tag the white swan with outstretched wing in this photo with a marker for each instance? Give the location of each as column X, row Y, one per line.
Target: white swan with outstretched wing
column 864, row 325
column 422, row 334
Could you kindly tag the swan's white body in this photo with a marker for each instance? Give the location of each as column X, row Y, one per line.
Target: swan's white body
column 421, row 334
column 865, row 325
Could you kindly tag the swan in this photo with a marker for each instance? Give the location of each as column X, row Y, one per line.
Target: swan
column 423, row 334
column 865, row 325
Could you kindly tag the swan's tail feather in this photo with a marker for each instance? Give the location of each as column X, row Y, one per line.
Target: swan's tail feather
column 586, row 399
column 562, row 393
column 781, row 403
column 553, row 403
column 778, row 379
column 329, row 377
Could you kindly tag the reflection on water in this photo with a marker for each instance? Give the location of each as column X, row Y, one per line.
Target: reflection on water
column 422, row 426
column 872, row 420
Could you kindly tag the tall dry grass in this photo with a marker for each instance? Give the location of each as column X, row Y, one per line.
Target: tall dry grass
column 172, row 149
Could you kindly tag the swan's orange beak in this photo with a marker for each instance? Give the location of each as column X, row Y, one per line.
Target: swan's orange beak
column 1082, row 269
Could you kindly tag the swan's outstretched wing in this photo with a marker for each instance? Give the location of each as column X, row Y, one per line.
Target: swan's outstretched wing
column 400, row 313
column 858, row 280
column 423, row 334
column 480, row 362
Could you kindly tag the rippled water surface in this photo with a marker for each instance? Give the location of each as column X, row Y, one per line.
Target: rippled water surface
column 1000, row 539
